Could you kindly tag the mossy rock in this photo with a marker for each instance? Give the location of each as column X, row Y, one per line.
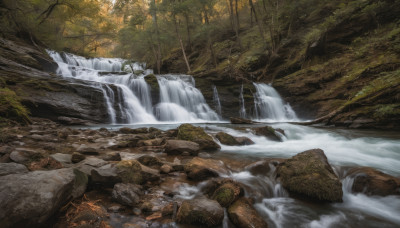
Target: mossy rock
column 200, row 169
column 309, row 174
column 227, row 193
column 243, row 214
column 189, row 132
column 130, row 171
column 200, row 211
column 11, row 107
column 227, row 139
column 152, row 81
column 268, row 132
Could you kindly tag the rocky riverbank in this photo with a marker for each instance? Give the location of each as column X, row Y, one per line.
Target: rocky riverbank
column 54, row 175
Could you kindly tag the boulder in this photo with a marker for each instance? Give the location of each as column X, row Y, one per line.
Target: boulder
column 227, row 139
column 126, row 130
column 77, row 157
column 30, row 199
column 267, row 132
column 198, row 135
column 12, row 168
column 227, row 193
column 22, row 155
column 200, row 169
column 83, row 149
column 244, row 141
column 166, row 168
column 112, row 156
column 238, row 120
column 94, row 162
column 200, row 211
column 373, row 182
column 149, row 160
column 243, row 214
column 131, row 171
column 151, row 142
column 309, row 174
column 62, row 158
column 127, row 194
column 176, row 147
column 264, row 167
column 106, row 175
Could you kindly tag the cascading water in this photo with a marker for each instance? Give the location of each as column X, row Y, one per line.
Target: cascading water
column 181, row 101
column 269, row 106
column 242, row 111
column 217, row 103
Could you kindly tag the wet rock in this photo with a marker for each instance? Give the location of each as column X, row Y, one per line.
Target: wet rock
column 106, row 175
column 309, row 174
column 93, row 161
column 243, row 214
column 113, row 156
column 201, row 169
column 62, row 158
column 126, row 130
column 12, row 168
column 263, row 167
column 131, row 171
column 29, row 199
column 45, row 163
column 149, row 160
column 166, row 168
column 21, row 155
column 227, row 192
column 77, row 157
column 172, row 133
column 268, row 132
column 83, row 149
column 373, row 182
column 126, row 194
column 151, row 142
column 198, row 135
column 72, row 121
column 227, row 139
column 200, row 211
column 176, row 147
column 244, row 141
column 237, row 120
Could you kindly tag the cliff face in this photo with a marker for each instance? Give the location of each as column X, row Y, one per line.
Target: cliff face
column 25, row 69
column 340, row 64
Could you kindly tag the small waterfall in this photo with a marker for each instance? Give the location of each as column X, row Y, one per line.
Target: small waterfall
column 217, row 103
column 268, row 105
column 181, row 101
column 242, row 111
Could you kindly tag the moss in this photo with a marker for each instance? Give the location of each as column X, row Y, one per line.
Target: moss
column 130, row 171
column 225, row 195
column 192, row 133
column 11, row 107
column 386, row 110
column 226, row 139
column 39, row 85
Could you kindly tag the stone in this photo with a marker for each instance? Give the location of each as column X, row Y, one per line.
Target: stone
column 198, row 135
column 71, row 121
column 227, row 139
column 127, row 194
column 267, row 132
column 237, row 120
column 373, row 182
column 200, row 169
column 151, row 142
column 93, row 161
column 62, row 158
column 12, row 168
column 131, row 171
column 149, row 160
column 106, row 175
column 309, row 174
column 243, row 214
column 112, row 156
column 200, row 211
column 30, row 199
column 77, row 157
column 244, row 141
column 83, row 149
column 166, row 168
column 21, row 155
column 227, row 192
column 263, row 167
column 176, row 147
column 126, row 130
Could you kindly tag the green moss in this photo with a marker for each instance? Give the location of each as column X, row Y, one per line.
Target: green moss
column 192, row 133
column 130, row 171
column 387, row 110
column 11, row 107
column 39, row 85
column 152, row 81
column 226, row 139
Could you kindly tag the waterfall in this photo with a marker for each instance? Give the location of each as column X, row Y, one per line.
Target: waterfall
column 269, row 106
column 181, row 101
column 242, row 111
column 217, row 103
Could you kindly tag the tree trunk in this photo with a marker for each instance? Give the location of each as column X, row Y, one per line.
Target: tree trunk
column 182, row 46
column 159, row 57
column 260, row 28
column 237, row 26
column 231, row 14
column 189, row 44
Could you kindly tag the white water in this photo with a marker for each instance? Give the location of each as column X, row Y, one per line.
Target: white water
column 269, row 106
column 217, row 103
column 242, row 110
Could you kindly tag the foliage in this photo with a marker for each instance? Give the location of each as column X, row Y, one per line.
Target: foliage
column 11, row 107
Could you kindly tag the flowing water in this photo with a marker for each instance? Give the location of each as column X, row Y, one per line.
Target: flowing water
column 129, row 101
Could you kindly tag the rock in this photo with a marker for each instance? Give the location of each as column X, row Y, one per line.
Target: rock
column 106, row 175
column 198, row 135
column 131, row 171
column 268, row 132
column 201, row 169
column 89, row 214
column 237, row 120
column 113, row 156
column 227, row 139
column 126, row 130
column 176, row 147
column 166, row 168
column 244, row 141
column 200, row 211
column 126, row 194
column 62, row 158
column 12, row 168
column 373, row 182
column 45, row 163
column 243, row 214
column 309, row 174
column 83, row 149
column 151, row 142
column 95, row 162
column 72, row 121
column 21, row 155
column 30, row 199
column 263, row 167
column 227, row 193
column 149, row 160
column 77, row 157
